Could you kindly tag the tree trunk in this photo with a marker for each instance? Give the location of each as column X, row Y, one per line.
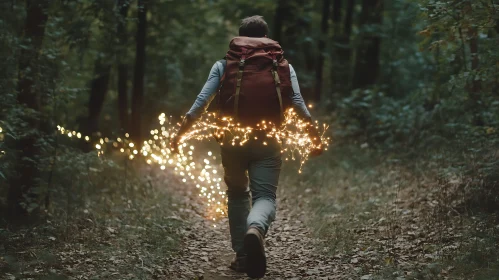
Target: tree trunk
column 21, row 198
column 475, row 61
column 495, row 87
column 98, row 90
column 138, row 80
column 337, row 15
column 320, row 59
column 123, row 6
column 342, row 52
column 123, row 97
column 278, row 20
column 475, row 86
column 368, row 53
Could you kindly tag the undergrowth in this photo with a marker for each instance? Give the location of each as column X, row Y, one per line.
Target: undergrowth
column 107, row 218
column 411, row 213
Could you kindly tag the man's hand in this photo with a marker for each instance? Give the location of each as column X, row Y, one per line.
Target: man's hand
column 187, row 123
column 317, row 149
column 316, row 152
column 174, row 143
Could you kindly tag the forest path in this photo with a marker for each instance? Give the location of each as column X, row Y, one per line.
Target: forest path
column 206, row 250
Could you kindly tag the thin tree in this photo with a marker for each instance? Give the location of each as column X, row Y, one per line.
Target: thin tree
column 123, row 6
column 342, row 51
column 300, row 25
column 98, row 90
column 278, row 20
column 138, row 79
column 99, row 84
column 475, row 85
column 367, row 63
column 336, row 15
column 21, row 197
column 326, row 7
column 495, row 87
column 475, row 61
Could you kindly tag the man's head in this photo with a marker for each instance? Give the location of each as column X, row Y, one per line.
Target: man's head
column 254, row 26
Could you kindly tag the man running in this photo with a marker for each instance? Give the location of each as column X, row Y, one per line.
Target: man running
column 253, row 83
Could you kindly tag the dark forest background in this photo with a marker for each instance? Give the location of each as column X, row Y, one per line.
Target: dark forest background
column 408, row 81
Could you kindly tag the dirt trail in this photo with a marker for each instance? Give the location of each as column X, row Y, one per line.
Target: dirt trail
column 206, row 252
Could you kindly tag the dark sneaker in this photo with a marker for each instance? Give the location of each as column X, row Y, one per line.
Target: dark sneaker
column 256, row 262
column 238, row 264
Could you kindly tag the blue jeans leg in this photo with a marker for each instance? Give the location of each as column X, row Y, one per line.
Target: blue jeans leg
column 253, row 167
column 238, row 194
column 264, row 178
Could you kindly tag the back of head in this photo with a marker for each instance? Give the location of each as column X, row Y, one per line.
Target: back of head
column 254, row 26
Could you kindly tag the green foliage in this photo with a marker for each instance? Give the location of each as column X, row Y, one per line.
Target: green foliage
column 435, row 97
column 380, row 118
column 426, row 94
column 107, row 211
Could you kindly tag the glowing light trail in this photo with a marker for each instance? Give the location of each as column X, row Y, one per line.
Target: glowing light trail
column 199, row 170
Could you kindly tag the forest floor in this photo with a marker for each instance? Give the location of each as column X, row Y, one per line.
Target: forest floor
column 354, row 215
column 350, row 215
column 290, row 248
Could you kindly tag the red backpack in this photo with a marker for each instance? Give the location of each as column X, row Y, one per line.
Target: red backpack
column 256, row 84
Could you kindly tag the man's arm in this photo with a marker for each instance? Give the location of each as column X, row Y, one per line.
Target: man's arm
column 302, row 111
column 202, row 102
column 296, row 98
column 208, row 92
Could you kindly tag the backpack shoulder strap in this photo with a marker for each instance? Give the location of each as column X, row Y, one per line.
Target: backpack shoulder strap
column 239, row 78
column 277, row 83
column 223, row 61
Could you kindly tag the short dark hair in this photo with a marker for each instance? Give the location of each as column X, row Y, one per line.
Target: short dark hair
column 254, row 26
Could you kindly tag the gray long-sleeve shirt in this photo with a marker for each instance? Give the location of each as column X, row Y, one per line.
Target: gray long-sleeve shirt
column 209, row 90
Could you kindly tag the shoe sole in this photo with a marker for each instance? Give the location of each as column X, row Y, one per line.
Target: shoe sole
column 256, row 262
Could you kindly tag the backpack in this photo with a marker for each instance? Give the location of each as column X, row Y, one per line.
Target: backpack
column 256, row 84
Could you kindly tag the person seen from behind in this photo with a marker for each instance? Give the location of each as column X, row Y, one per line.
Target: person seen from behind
column 253, row 83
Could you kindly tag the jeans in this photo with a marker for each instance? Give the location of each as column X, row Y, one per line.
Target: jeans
column 252, row 168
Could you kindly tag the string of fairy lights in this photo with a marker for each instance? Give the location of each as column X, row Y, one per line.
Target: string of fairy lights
column 203, row 171
column 293, row 133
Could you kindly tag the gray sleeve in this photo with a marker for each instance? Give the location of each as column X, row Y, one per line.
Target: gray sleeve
column 208, row 92
column 296, row 98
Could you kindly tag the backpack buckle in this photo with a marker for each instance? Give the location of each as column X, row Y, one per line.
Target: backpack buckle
column 241, row 63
